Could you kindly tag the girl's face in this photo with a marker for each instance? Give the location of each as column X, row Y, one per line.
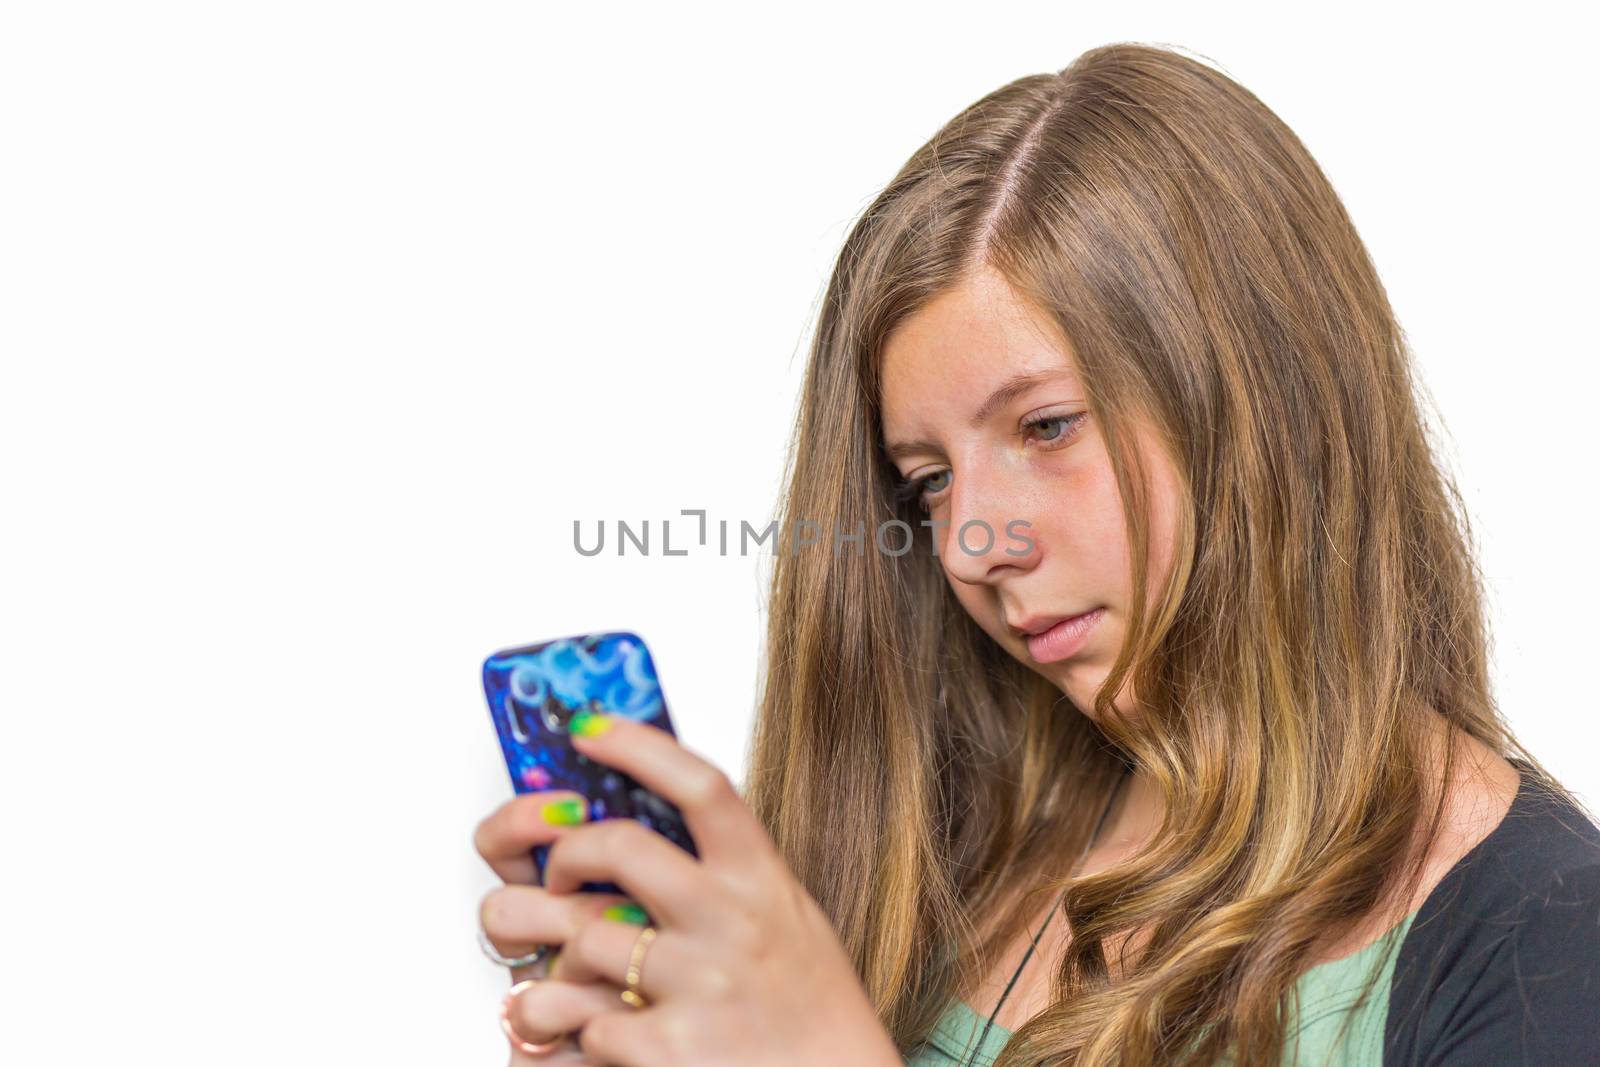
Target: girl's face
column 982, row 406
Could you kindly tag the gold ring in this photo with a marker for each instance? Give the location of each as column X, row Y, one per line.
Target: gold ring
column 631, row 996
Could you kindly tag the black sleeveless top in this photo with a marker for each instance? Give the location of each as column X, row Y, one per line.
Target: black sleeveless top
column 1501, row 966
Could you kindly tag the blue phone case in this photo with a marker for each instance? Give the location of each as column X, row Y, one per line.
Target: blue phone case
column 533, row 691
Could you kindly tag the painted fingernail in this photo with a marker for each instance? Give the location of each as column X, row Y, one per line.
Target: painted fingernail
column 626, row 913
column 562, row 812
column 589, row 723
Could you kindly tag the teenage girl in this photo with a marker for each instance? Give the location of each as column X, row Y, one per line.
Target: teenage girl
column 1134, row 707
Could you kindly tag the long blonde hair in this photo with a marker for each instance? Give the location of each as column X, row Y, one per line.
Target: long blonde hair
column 915, row 775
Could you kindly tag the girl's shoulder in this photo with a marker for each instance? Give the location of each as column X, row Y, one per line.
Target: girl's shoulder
column 1502, row 961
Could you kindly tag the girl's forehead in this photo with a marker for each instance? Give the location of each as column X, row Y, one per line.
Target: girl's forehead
column 971, row 335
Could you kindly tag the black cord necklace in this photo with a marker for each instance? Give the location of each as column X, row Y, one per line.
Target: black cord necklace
column 1035, row 943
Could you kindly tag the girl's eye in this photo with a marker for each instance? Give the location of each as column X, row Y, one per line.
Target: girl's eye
column 922, row 488
column 1052, row 429
column 1064, row 426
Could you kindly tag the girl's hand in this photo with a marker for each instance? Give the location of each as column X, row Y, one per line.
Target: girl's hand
column 745, row 968
column 519, row 916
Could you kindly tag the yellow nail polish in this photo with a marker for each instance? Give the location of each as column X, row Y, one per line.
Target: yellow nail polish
column 627, row 913
column 562, row 812
column 588, row 724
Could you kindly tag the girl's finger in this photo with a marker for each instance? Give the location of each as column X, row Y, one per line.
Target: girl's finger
column 671, row 885
column 506, row 835
column 726, row 832
column 673, row 967
column 552, row 1007
column 636, row 1039
column 517, row 918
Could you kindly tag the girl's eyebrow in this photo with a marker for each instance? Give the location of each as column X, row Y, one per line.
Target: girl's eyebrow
column 1008, row 391
column 1013, row 388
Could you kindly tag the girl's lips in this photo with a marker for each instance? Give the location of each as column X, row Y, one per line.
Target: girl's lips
column 1064, row 638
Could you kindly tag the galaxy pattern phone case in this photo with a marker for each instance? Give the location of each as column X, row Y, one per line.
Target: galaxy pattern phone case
column 534, row 691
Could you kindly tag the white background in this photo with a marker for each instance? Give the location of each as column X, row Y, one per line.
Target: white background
column 323, row 321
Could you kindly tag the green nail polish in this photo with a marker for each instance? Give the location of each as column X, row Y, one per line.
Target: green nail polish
column 588, row 724
column 627, row 913
column 562, row 812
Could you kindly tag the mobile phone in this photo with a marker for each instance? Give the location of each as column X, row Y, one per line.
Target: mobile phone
column 534, row 691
